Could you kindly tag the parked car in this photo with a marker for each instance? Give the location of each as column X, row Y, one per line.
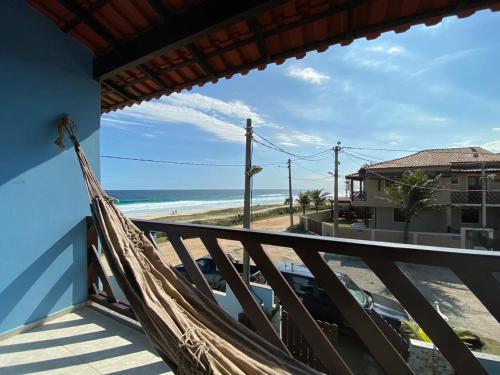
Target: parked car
column 321, row 306
column 214, row 276
column 314, row 298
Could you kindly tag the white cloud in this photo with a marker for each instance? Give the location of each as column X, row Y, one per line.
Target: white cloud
column 234, row 109
column 296, row 138
column 496, row 129
column 308, row 74
column 308, row 138
column 376, row 57
column 385, row 49
column 445, row 59
column 394, row 50
column 436, row 119
column 493, row 146
column 222, row 119
column 286, row 140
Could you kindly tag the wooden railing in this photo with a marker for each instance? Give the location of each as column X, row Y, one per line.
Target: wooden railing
column 299, row 347
column 358, row 196
column 474, row 268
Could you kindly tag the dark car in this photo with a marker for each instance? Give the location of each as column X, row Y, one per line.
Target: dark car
column 314, row 298
column 321, row 306
column 214, row 276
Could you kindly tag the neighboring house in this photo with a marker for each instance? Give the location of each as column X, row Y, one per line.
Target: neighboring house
column 458, row 205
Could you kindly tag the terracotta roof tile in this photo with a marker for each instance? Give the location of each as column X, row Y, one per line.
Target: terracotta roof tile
column 447, row 157
column 276, row 31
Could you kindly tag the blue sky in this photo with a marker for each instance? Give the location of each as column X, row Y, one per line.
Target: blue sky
column 430, row 87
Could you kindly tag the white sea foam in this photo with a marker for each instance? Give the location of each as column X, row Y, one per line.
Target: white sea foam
column 152, row 209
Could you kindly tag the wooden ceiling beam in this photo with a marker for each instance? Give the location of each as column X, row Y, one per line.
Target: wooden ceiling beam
column 163, row 10
column 120, row 91
column 86, row 16
column 95, row 7
column 155, row 78
column 200, row 60
column 184, row 28
column 254, row 25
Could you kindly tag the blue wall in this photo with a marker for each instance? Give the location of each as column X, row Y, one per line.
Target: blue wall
column 43, row 74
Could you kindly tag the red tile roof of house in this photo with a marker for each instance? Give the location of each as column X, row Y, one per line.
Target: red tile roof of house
column 146, row 49
column 446, row 157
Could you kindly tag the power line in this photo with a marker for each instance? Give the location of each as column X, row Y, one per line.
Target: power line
column 180, row 162
column 295, row 158
column 275, row 147
column 357, row 157
column 310, row 170
column 372, row 158
column 311, row 179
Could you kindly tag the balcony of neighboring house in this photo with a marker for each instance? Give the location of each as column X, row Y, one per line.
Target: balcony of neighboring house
column 357, row 188
column 474, row 197
column 358, row 196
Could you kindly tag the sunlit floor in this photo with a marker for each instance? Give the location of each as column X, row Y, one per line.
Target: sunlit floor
column 83, row 342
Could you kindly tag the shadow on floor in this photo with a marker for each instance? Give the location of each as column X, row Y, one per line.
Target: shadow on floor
column 84, row 342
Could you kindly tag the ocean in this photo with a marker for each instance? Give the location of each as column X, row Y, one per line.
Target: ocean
column 156, row 203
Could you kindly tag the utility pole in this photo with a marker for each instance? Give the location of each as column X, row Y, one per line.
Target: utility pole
column 247, row 201
column 290, row 197
column 336, row 191
column 483, row 195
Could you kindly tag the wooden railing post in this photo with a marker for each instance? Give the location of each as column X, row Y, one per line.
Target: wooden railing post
column 92, row 276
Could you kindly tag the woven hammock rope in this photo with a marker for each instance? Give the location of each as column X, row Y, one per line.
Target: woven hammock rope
column 190, row 332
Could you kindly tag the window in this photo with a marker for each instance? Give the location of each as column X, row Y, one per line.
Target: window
column 399, row 217
column 204, row 264
column 474, row 183
column 470, row 216
column 379, row 184
column 303, row 286
column 454, row 180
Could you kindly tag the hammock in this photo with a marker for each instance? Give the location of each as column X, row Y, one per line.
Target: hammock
column 191, row 333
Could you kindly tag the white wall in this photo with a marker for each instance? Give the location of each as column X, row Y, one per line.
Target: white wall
column 230, row 304
column 416, row 238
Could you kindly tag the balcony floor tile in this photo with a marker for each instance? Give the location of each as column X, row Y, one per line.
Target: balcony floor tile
column 82, row 342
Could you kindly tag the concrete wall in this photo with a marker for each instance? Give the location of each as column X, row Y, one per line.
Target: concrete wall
column 492, row 218
column 425, row 359
column 44, row 73
column 416, row 238
column 320, row 216
column 432, row 220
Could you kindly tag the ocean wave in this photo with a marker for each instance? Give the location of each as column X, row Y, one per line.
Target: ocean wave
column 151, row 208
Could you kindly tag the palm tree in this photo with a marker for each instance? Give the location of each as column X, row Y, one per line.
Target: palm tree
column 304, row 200
column 412, row 194
column 318, row 197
